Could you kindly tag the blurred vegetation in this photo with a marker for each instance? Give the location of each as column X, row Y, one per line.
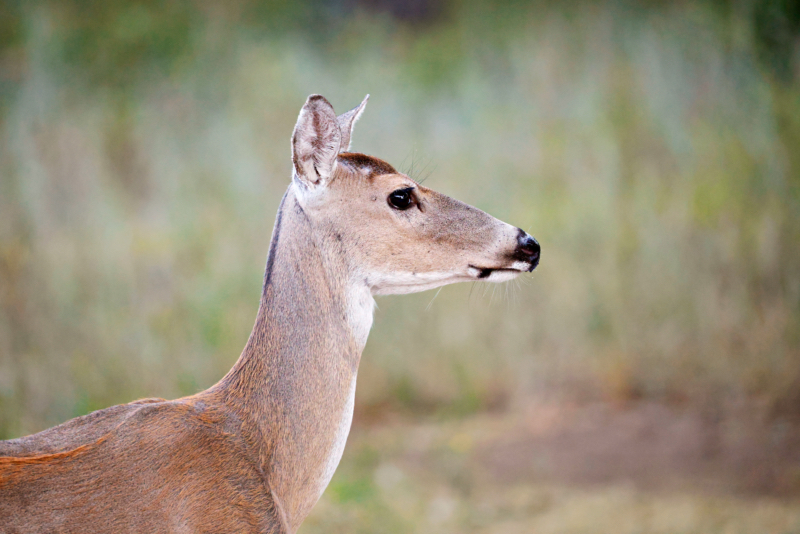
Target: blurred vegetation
column 653, row 149
column 424, row 478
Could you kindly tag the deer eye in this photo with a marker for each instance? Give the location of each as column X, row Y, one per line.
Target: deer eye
column 401, row 199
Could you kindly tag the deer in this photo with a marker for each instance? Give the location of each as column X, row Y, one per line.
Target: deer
column 255, row 451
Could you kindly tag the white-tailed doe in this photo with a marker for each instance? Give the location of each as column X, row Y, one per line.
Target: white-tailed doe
column 254, row 452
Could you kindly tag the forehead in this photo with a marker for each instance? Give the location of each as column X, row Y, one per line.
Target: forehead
column 364, row 164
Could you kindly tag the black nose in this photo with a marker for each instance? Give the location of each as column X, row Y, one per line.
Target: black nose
column 528, row 249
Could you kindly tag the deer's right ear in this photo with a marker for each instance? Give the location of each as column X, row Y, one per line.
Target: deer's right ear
column 315, row 142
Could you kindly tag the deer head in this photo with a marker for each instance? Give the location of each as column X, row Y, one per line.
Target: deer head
column 396, row 235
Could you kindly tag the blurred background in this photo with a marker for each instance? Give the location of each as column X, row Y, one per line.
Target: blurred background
column 645, row 378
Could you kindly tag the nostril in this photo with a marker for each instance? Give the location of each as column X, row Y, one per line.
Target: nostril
column 536, row 248
column 529, row 246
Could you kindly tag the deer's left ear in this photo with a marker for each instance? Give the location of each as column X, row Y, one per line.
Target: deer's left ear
column 315, row 142
column 347, row 121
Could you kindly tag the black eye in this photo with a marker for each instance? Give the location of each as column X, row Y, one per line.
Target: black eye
column 400, row 199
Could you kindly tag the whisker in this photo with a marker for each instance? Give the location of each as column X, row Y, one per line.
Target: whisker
column 413, row 168
column 428, row 307
column 428, row 174
column 425, row 168
column 402, row 165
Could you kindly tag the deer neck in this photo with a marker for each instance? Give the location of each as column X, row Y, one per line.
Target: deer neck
column 294, row 383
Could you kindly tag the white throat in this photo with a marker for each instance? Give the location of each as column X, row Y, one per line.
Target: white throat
column 360, row 309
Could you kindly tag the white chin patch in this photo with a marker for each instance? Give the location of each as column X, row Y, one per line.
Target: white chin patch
column 521, row 266
column 403, row 282
column 501, row 275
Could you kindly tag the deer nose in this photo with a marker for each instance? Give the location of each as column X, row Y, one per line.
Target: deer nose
column 528, row 249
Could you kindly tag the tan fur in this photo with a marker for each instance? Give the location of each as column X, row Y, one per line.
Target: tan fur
column 254, row 452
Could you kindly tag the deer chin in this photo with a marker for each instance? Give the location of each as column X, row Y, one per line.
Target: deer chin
column 398, row 283
column 499, row 274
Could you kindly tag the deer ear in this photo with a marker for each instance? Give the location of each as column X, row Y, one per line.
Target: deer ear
column 315, row 142
column 347, row 121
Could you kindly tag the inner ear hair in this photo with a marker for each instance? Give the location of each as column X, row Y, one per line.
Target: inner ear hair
column 315, row 142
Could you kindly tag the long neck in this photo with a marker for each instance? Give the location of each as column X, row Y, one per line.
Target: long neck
column 295, row 380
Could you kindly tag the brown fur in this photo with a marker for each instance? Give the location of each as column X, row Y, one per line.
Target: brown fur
column 254, row 452
column 372, row 165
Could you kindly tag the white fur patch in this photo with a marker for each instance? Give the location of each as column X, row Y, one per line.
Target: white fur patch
column 360, row 308
column 336, row 451
column 403, row 282
column 394, row 283
column 501, row 276
column 521, row 266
